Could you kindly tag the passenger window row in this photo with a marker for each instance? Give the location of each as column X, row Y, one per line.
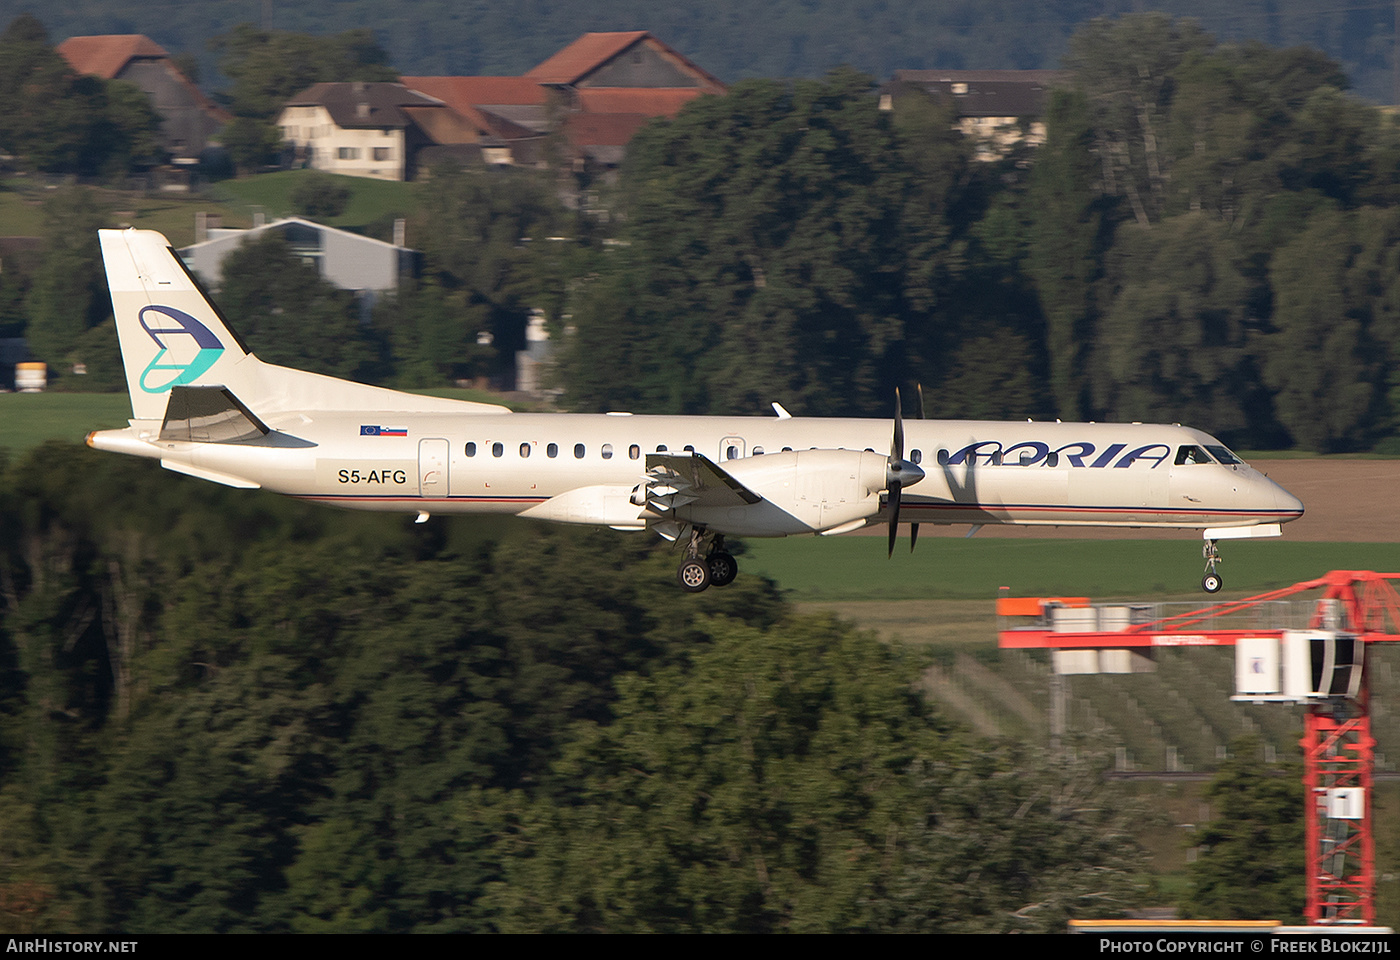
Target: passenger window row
column 1186, row 454
column 551, row 450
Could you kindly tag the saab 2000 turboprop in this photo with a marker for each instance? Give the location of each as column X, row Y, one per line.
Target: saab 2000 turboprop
column 205, row 406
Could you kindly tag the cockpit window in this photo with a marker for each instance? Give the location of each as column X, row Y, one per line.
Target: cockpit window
column 1190, row 453
column 1222, row 454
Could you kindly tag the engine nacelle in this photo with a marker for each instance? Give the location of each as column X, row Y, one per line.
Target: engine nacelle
column 803, row 491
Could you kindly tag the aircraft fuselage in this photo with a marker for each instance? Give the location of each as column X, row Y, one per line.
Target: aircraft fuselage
column 1071, row 474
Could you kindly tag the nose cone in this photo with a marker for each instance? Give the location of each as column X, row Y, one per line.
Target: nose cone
column 1288, row 506
column 903, row 472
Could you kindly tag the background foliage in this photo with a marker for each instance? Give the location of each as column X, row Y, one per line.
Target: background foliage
column 229, row 712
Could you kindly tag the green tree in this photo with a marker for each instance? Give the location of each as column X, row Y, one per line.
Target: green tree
column 1251, row 860
column 1323, row 363
column 41, row 120
column 290, row 315
column 786, row 241
column 68, row 295
column 268, row 67
column 1174, row 336
column 59, row 122
column 762, row 787
column 320, row 196
column 495, row 244
column 792, row 779
column 1071, row 227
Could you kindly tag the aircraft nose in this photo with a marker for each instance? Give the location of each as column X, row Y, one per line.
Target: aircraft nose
column 1289, row 506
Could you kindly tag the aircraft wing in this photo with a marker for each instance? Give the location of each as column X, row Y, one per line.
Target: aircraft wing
column 683, row 479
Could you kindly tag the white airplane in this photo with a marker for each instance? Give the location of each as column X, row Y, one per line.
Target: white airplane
column 205, row 406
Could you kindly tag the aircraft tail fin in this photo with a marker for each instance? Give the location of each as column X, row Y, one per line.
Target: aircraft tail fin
column 173, row 336
column 171, row 333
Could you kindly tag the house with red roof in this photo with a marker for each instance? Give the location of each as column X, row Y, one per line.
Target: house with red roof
column 188, row 118
column 375, row 130
column 588, row 99
column 596, row 93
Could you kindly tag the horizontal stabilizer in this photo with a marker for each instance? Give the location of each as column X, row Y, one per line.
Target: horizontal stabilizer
column 209, row 415
column 214, row 476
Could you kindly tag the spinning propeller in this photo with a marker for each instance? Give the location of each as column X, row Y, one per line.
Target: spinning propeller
column 901, row 473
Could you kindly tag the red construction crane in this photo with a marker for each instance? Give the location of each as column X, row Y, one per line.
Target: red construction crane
column 1290, row 649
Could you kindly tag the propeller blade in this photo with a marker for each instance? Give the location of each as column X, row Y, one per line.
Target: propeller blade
column 894, row 513
column 914, row 527
column 897, row 444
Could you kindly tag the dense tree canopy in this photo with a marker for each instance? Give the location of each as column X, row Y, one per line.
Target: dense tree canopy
column 785, row 242
column 268, row 67
column 55, row 121
column 229, row 712
column 1251, row 858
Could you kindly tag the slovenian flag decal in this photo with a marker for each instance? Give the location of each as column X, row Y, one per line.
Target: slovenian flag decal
column 369, row 431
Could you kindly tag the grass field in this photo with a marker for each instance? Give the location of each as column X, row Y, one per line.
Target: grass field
column 21, row 210
column 856, row 569
column 28, row 419
column 21, row 204
column 370, row 200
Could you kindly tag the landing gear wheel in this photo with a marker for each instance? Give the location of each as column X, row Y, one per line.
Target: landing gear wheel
column 693, row 575
column 1211, row 582
column 723, row 569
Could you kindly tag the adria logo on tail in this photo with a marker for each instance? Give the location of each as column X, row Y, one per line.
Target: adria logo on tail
column 184, row 366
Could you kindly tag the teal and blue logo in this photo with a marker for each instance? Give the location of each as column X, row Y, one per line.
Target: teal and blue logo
column 179, row 360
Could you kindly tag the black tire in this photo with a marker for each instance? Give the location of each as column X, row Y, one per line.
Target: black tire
column 1211, row 583
column 723, row 569
column 693, row 575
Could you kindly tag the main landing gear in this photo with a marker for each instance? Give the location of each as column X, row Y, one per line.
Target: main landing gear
column 1211, row 582
column 706, row 563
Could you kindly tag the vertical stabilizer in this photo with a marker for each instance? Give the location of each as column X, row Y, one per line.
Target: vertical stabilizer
column 171, row 334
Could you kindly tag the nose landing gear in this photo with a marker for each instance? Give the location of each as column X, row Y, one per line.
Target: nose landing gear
column 1211, row 582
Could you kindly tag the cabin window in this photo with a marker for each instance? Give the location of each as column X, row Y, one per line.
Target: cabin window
column 996, row 459
column 942, row 458
column 524, row 450
column 731, row 452
column 758, row 451
column 787, row 449
column 661, row 448
column 497, row 449
column 1190, row 453
column 689, row 448
column 1052, row 459
column 471, row 449
column 916, row 455
column 552, row 451
column 1027, row 458
column 607, row 451
column 1222, row 454
column 633, row 452
column 578, row 451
